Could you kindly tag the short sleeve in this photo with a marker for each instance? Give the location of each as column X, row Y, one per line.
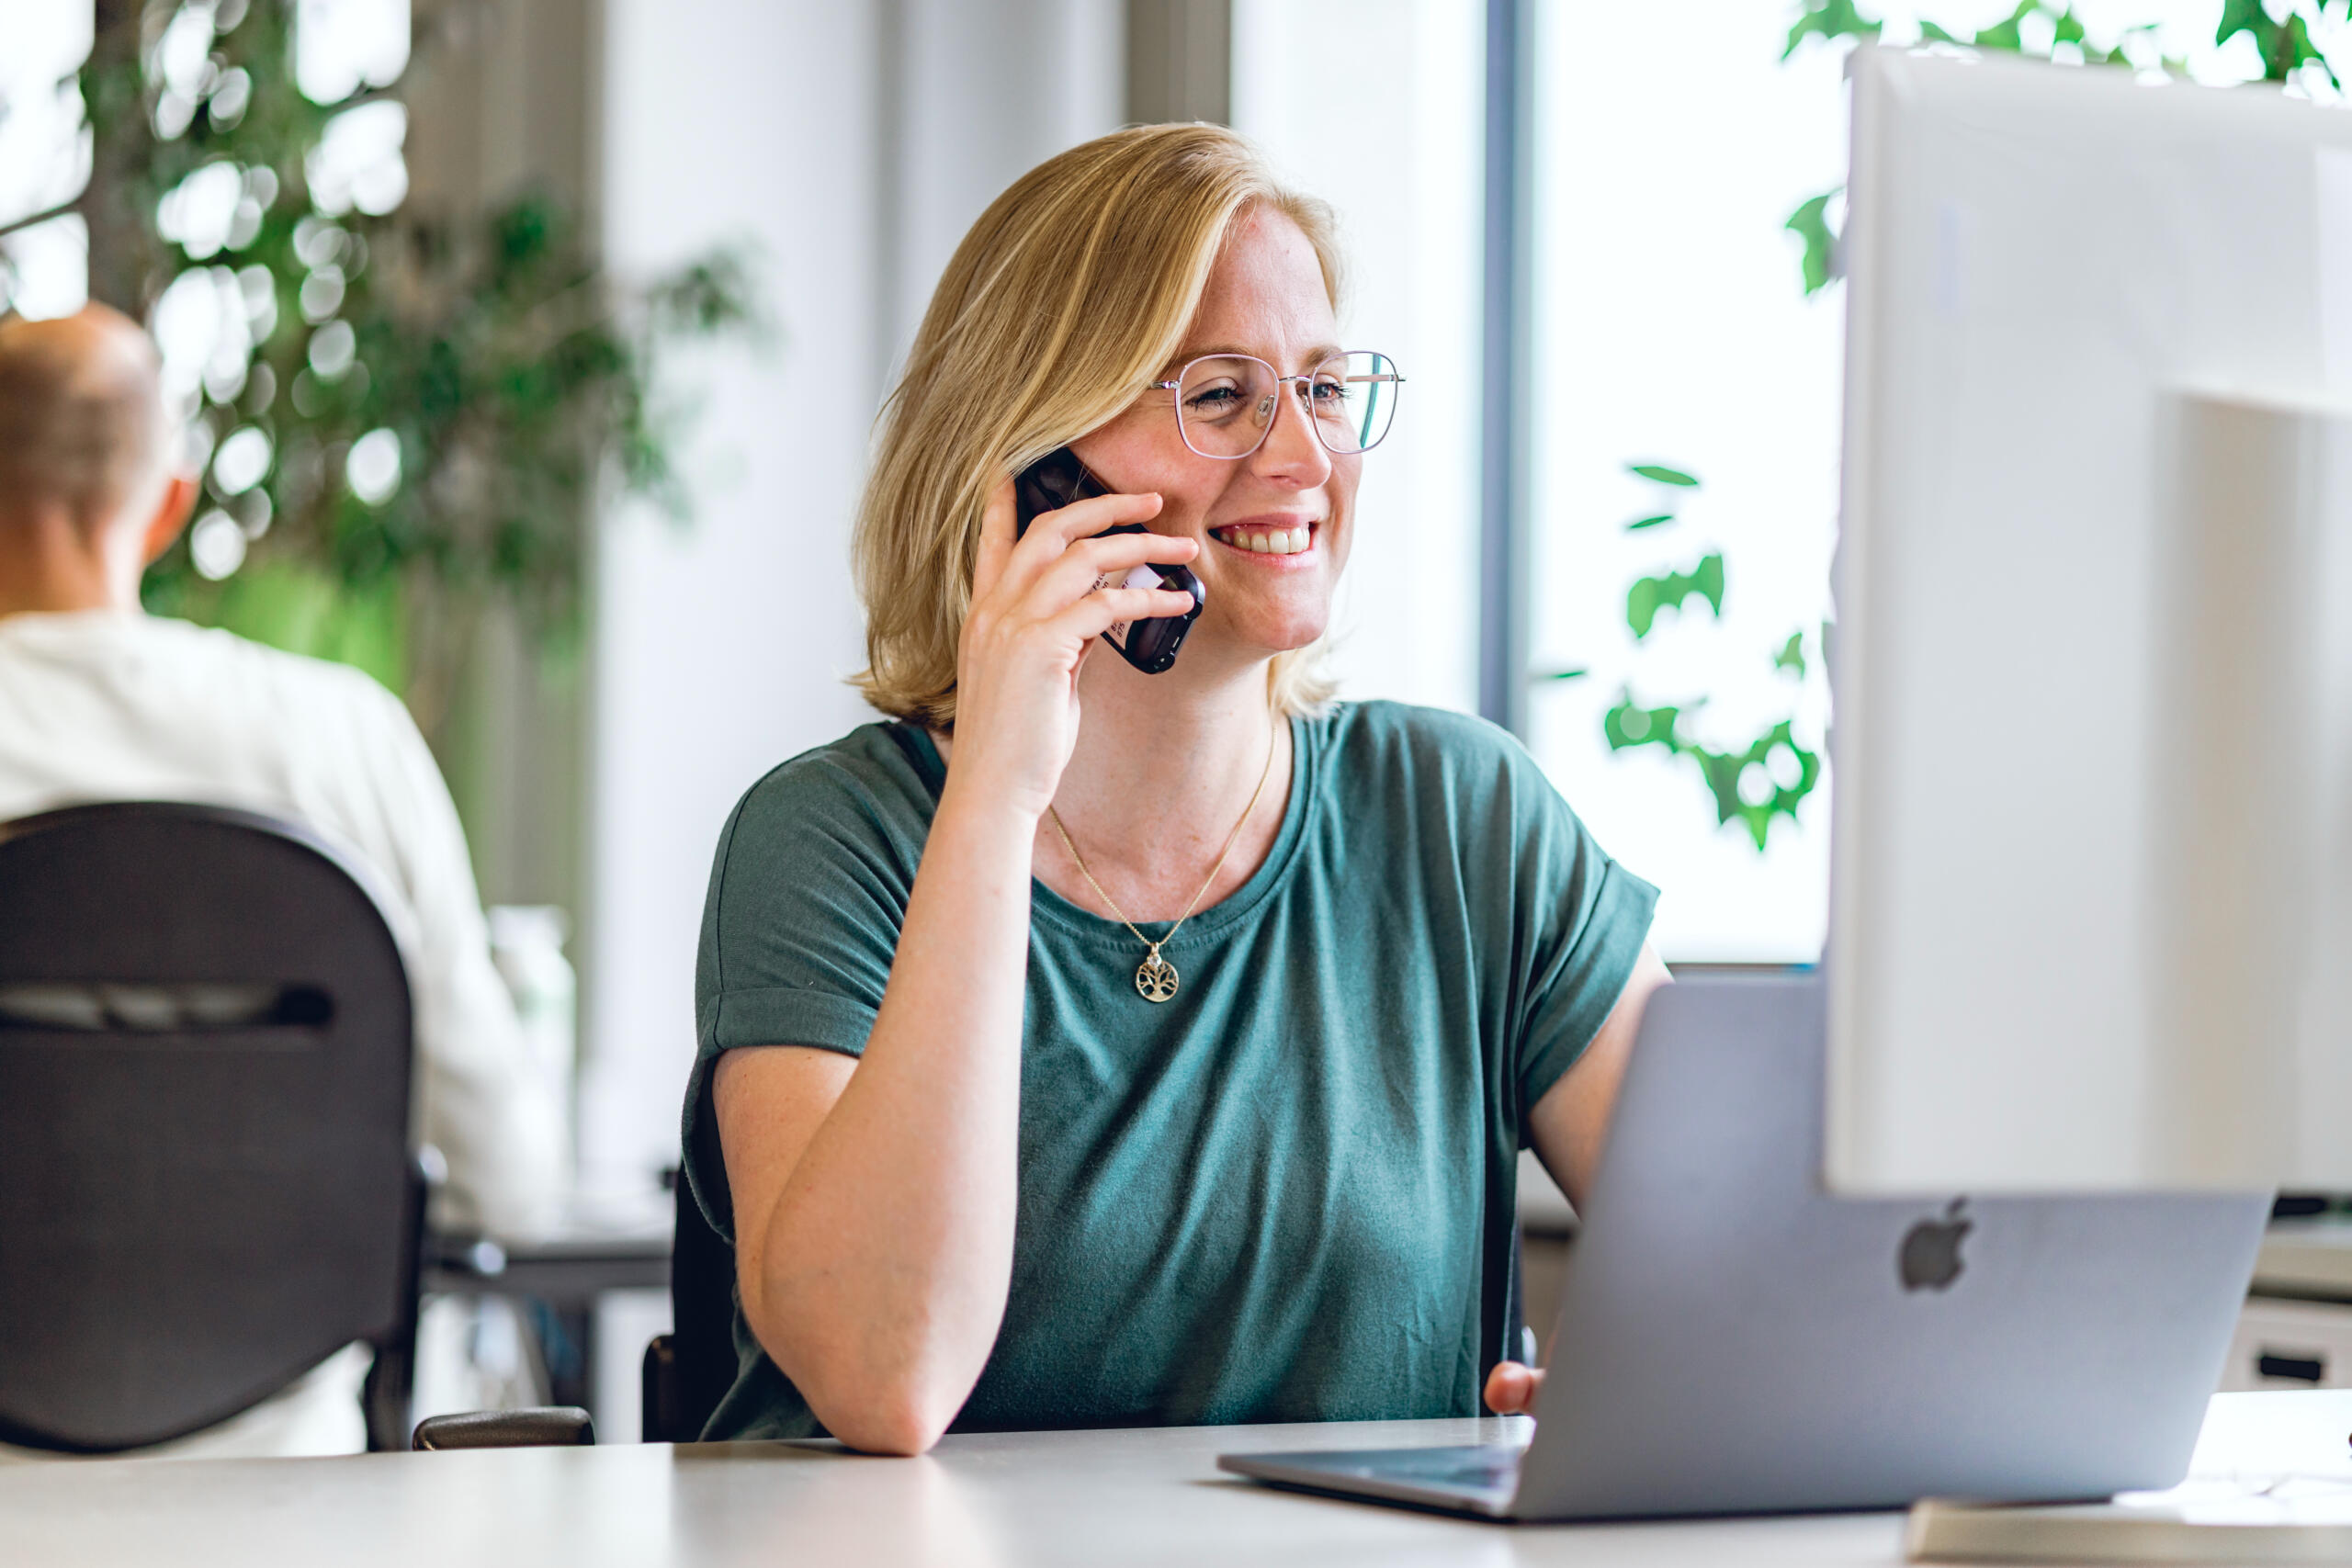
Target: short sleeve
column 807, row 894
column 1587, row 917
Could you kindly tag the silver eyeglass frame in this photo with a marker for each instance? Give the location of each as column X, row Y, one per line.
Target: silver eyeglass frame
column 1176, row 384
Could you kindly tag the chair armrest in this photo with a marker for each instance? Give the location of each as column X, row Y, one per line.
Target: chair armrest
column 658, row 1392
column 548, row 1426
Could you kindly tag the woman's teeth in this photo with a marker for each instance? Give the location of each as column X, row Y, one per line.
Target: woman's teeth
column 1270, row 541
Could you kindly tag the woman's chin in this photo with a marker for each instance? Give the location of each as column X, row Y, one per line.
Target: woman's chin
column 1264, row 635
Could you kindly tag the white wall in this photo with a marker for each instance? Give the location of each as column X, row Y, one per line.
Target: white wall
column 854, row 142
column 985, row 90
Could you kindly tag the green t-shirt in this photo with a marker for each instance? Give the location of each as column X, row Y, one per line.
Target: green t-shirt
column 1285, row 1195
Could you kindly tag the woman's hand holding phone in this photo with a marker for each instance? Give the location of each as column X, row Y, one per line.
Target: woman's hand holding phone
column 1036, row 615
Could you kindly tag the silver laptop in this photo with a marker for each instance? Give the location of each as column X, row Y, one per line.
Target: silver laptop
column 1732, row 1339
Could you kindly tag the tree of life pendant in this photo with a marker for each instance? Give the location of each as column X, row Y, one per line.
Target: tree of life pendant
column 1156, row 977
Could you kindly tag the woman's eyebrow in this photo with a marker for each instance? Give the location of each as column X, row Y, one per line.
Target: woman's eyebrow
column 1313, row 356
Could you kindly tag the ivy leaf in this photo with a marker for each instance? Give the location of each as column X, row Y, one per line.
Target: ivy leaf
column 1810, row 223
column 2299, row 50
column 1828, row 20
column 1790, row 658
column 1662, row 517
column 2007, row 36
column 1931, row 33
column 1723, row 771
column 2243, row 17
column 1661, row 474
column 1630, row 724
column 1648, row 595
column 2286, row 47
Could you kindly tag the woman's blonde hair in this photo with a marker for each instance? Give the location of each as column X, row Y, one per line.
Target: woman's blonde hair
column 1067, row 297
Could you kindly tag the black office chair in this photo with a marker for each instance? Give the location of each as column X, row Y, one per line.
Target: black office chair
column 206, row 1187
column 689, row 1370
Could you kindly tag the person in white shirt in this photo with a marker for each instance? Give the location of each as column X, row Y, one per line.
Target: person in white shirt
column 100, row 701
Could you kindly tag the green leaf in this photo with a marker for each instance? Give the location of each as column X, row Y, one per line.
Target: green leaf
column 1630, row 724
column 1810, row 225
column 1931, row 33
column 1724, row 769
column 1663, row 475
column 2286, row 47
column 1576, row 673
column 2007, row 36
column 1662, row 517
column 2243, row 17
column 1790, row 658
column 1648, row 595
column 1828, row 20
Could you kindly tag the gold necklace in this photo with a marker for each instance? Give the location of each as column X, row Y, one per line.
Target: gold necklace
column 1156, row 978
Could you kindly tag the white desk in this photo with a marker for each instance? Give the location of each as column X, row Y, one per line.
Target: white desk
column 1078, row 1498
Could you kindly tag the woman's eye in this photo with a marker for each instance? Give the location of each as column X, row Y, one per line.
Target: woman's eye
column 1330, row 394
column 1213, row 401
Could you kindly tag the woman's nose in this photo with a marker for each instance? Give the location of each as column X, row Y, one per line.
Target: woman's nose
column 1291, row 451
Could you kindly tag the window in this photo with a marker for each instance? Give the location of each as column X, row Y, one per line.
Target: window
column 44, row 156
column 1675, row 628
column 1672, row 341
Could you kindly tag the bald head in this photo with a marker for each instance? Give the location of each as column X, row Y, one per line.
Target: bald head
column 83, row 429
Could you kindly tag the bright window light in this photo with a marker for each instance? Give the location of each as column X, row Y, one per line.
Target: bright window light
column 1673, row 336
column 341, row 46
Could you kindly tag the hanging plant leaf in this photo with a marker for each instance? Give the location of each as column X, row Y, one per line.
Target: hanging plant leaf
column 1661, row 518
column 1630, row 724
column 1827, row 20
column 1810, row 223
column 1659, row 473
column 1790, row 658
column 1648, row 595
column 1724, row 769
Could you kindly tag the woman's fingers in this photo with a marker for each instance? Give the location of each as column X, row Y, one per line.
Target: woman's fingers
column 1113, row 557
column 1051, row 534
column 1098, row 612
column 1511, row 1389
column 1096, row 513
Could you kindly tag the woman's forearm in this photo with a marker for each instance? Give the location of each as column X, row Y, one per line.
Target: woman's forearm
column 879, row 1221
column 886, row 1256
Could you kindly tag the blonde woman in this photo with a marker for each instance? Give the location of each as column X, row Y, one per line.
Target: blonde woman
column 1090, row 1048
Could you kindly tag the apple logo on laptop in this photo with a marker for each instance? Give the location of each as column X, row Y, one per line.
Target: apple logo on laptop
column 1931, row 1257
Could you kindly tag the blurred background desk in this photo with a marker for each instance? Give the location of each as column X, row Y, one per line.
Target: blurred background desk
column 586, row 1299
column 2297, row 1331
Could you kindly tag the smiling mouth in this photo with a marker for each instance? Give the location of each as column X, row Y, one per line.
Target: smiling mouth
column 1257, row 541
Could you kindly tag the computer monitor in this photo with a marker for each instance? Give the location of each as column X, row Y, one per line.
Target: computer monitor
column 2091, row 909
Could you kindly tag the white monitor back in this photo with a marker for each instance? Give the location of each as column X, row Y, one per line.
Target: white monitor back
column 2091, row 922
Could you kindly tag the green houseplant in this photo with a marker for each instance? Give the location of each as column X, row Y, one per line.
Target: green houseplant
column 403, row 417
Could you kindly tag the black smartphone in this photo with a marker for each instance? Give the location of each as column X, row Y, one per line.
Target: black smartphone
column 1057, row 479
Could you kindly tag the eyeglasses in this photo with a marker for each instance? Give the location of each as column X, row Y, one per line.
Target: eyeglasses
column 1227, row 404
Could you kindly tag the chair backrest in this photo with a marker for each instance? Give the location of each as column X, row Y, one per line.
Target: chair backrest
column 205, row 1048
column 689, row 1370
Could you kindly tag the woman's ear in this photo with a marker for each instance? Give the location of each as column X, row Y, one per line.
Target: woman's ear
column 170, row 516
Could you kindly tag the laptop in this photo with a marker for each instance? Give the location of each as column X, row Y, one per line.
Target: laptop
column 1733, row 1339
